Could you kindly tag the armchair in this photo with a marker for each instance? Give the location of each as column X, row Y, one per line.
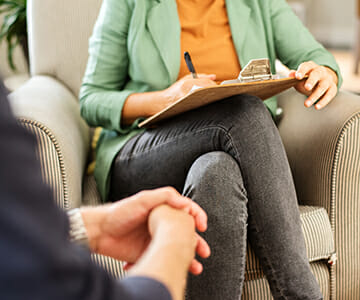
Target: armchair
column 323, row 148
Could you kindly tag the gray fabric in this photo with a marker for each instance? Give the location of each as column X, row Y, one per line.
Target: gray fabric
column 215, row 179
column 242, row 127
column 258, row 289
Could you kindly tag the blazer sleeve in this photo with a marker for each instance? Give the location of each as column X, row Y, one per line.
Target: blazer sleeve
column 294, row 43
column 37, row 260
column 102, row 94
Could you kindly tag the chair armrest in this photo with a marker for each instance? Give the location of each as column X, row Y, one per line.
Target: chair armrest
column 323, row 148
column 48, row 109
column 314, row 140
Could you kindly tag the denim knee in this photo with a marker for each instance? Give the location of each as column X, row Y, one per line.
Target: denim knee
column 214, row 180
column 215, row 167
column 251, row 105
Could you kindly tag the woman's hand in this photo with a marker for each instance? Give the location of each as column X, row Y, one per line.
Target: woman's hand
column 149, row 103
column 320, row 86
column 183, row 86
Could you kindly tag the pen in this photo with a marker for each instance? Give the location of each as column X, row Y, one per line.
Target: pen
column 189, row 64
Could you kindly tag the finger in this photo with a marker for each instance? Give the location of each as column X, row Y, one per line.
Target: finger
column 205, row 82
column 191, row 207
column 202, row 247
column 168, row 195
column 153, row 198
column 200, row 216
column 210, row 76
column 319, row 91
column 314, row 77
column 196, row 267
column 325, row 100
column 304, row 69
column 292, row 74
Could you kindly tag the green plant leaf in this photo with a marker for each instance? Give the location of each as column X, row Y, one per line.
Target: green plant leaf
column 9, row 21
column 12, row 43
column 6, row 9
column 14, row 25
column 13, row 2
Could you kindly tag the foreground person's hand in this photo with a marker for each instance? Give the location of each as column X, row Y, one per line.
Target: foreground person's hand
column 172, row 249
column 320, row 86
column 175, row 227
column 120, row 230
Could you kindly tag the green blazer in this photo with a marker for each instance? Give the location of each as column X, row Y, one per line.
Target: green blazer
column 135, row 47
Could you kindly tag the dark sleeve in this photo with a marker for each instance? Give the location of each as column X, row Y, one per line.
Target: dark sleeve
column 37, row 261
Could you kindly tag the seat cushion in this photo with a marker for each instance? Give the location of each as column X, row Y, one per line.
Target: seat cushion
column 318, row 235
column 91, row 196
column 259, row 288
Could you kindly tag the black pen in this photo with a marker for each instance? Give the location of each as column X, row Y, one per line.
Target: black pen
column 189, row 64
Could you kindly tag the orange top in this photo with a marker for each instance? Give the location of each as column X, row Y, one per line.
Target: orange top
column 206, row 35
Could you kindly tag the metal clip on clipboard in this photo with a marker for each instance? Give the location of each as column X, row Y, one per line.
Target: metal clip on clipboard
column 255, row 70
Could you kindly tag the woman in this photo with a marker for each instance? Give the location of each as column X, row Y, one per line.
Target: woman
column 226, row 156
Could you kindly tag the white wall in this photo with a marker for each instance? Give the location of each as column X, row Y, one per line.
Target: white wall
column 332, row 21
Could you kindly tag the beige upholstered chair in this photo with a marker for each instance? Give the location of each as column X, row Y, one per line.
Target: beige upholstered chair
column 323, row 148
column 357, row 39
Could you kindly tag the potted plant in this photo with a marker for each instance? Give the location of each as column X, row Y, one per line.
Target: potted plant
column 14, row 29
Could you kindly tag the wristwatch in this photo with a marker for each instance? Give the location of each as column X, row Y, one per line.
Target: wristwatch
column 77, row 232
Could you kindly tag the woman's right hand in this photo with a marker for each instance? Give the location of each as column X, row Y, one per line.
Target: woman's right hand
column 149, row 103
column 183, row 86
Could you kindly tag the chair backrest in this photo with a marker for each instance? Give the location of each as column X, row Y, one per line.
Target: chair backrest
column 59, row 31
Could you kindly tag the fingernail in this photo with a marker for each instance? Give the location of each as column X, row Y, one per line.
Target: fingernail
column 308, row 86
column 307, row 103
column 204, row 222
column 298, row 75
column 317, row 106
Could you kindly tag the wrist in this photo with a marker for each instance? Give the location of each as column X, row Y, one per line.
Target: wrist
column 162, row 99
column 166, row 263
column 93, row 218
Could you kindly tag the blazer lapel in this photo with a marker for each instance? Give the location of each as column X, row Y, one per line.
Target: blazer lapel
column 238, row 14
column 164, row 27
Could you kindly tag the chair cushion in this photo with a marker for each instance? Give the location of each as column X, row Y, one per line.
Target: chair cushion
column 91, row 196
column 318, row 235
column 259, row 288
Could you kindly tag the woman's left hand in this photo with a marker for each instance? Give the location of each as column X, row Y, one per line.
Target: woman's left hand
column 320, row 86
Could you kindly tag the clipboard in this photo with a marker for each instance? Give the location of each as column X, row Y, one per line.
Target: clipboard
column 255, row 79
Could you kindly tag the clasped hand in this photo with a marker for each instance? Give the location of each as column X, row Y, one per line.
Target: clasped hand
column 125, row 229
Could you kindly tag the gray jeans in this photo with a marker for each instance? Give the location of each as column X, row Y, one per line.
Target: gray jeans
column 229, row 158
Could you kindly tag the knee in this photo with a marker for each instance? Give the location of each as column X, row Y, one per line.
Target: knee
column 215, row 174
column 216, row 165
column 248, row 106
